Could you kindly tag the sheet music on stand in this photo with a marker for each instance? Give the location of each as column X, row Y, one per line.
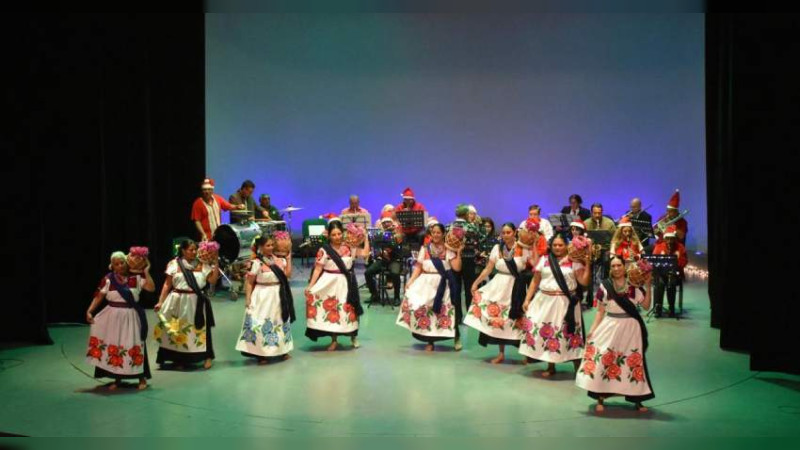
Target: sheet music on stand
column 365, row 220
column 643, row 228
column 602, row 237
column 663, row 263
column 412, row 219
column 561, row 220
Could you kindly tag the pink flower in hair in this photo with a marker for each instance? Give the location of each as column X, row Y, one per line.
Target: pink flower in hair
column 139, row 251
column 580, row 242
column 281, row 235
column 458, row 232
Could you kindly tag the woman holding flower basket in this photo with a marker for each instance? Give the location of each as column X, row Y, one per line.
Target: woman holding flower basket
column 614, row 361
column 184, row 310
column 556, row 334
column 118, row 332
column 429, row 307
column 332, row 302
column 269, row 307
column 496, row 309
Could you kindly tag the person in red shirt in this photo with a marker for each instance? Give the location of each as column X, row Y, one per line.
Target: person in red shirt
column 681, row 226
column 206, row 210
column 669, row 246
column 410, row 204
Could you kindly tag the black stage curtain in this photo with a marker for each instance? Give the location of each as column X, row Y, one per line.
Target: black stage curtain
column 753, row 101
column 106, row 151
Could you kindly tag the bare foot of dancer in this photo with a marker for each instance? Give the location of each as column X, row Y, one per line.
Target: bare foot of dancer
column 498, row 359
column 429, row 347
column 142, row 384
column 113, row 386
column 354, row 340
column 263, row 361
column 641, row 408
column 551, row 370
column 599, row 407
column 333, row 346
column 208, row 363
column 286, row 356
column 458, row 345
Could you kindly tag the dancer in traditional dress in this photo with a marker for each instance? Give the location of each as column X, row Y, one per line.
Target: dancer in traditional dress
column 118, row 333
column 332, row 302
column 556, row 334
column 269, row 307
column 184, row 310
column 496, row 309
column 428, row 309
column 614, row 361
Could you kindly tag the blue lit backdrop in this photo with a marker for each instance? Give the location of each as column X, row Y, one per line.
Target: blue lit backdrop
column 497, row 110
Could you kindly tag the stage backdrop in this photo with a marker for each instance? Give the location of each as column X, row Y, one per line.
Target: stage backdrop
column 497, row 110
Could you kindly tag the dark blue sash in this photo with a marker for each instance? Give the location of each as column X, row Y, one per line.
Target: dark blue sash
column 128, row 296
column 446, row 278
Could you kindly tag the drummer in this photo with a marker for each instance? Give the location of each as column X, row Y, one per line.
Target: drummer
column 206, row 210
column 244, row 196
column 273, row 213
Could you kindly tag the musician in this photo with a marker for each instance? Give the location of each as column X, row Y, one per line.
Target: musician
column 600, row 252
column 355, row 207
column 387, row 208
column 636, row 213
column 410, row 204
column 575, row 208
column 669, row 245
column 245, row 196
column 577, row 228
column 545, row 227
column 206, row 210
column 625, row 242
column 390, row 258
column 265, row 203
column 472, row 237
column 681, row 226
column 598, row 221
column 487, row 243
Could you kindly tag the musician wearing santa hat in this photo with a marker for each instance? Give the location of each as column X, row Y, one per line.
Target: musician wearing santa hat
column 206, row 210
column 625, row 242
column 669, row 245
column 410, row 203
column 671, row 218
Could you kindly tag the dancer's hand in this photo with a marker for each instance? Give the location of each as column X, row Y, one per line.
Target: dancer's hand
column 157, row 307
column 89, row 318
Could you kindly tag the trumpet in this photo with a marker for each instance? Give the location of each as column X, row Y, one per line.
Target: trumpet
column 662, row 225
column 597, row 251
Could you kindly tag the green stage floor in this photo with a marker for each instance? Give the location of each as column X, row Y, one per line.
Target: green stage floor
column 391, row 387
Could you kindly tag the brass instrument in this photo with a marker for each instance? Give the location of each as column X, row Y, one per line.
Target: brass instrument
column 597, row 252
column 660, row 227
column 616, row 222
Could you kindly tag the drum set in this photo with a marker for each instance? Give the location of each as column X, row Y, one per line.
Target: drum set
column 235, row 240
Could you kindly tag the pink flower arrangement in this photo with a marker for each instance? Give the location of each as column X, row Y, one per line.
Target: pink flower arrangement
column 580, row 242
column 458, row 232
column 354, row 234
column 281, row 235
column 142, row 252
column 208, row 246
column 532, row 225
column 644, row 266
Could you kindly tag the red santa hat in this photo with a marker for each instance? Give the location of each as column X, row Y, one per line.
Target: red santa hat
column 386, row 216
column 578, row 223
column 331, row 217
column 625, row 222
column 408, row 193
column 208, row 183
column 675, row 200
column 671, row 231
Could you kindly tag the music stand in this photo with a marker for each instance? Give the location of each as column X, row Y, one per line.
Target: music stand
column 602, row 237
column 663, row 267
column 412, row 219
column 364, row 220
column 643, row 229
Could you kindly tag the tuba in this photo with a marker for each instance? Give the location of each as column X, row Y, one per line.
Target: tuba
column 661, row 225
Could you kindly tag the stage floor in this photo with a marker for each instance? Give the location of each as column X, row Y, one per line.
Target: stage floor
column 392, row 387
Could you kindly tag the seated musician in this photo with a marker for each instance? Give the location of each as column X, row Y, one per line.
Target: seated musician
column 244, row 196
column 387, row 208
column 355, row 207
column 410, row 203
column 637, row 214
column 390, row 257
column 206, row 210
column 266, row 204
column 669, row 245
column 625, row 242
column 671, row 218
